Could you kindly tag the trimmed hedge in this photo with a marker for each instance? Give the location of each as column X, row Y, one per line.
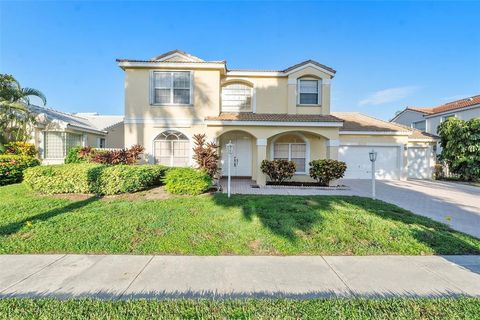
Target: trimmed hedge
column 12, row 167
column 126, row 178
column 187, row 181
column 93, row 178
column 278, row 170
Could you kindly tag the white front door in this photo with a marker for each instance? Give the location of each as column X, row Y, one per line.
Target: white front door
column 359, row 166
column 418, row 163
column 241, row 159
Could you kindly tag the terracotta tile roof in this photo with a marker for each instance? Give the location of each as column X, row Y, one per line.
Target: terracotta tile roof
column 250, row 116
column 454, row 105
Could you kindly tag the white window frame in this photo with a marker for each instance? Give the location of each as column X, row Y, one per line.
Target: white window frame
column 237, row 109
column 448, row 116
column 290, row 153
column 319, row 91
column 100, row 143
column 171, row 103
column 172, row 148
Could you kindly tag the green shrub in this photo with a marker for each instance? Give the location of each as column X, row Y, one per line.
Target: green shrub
column 278, row 170
column 73, row 156
column 21, row 148
column 126, row 178
column 326, row 170
column 62, row 178
column 187, row 181
column 12, row 167
column 93, row 178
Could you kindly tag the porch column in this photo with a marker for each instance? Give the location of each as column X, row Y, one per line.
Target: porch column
column 261, row 155
column 332, row 149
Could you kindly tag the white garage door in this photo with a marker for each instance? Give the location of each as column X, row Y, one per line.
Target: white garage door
column 359, row 166
column 418, row 163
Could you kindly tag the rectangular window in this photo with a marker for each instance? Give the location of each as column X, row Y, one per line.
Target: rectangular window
column 308, row 91
column 101, row 143
column 172, row 87
column 295, row 152
column 448, row 117
column 419, row 125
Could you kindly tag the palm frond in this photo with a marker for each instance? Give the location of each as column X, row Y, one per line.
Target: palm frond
column 33, row 92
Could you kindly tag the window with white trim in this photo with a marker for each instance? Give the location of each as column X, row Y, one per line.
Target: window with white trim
column 444, row 118
column 420, row 125
column 58, row 143
column 237, row 97
column 172, row 87
column 101, row 143
column 296, row 152
column 309, row 91
column 172, row 148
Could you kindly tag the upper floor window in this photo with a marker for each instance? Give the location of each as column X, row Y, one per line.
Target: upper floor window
column 174, row 88
column 237, row 97
column 420, row 125
column 309, row 91
column 444, row 118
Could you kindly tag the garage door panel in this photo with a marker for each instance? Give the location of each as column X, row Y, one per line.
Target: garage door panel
column 359, row 165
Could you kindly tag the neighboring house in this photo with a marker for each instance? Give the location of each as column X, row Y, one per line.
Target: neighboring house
column 428, row 119
column 266, row 114
column 56, row 132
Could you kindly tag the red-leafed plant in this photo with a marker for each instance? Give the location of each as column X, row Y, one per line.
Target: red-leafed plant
column 206, row 154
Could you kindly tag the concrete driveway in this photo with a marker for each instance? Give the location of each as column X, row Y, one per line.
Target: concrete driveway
column 455, row 204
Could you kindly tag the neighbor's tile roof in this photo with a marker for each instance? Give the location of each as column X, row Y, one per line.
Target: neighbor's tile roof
column 454, row 105
column 312, row 62
column 280, row 117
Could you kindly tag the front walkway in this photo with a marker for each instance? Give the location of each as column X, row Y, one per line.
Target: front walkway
column 455, row 204
column 123, row 277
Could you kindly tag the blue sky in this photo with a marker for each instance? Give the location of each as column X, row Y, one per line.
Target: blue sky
column 387, row 54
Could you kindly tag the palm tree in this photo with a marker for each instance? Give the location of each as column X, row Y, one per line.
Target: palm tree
column 15, row 116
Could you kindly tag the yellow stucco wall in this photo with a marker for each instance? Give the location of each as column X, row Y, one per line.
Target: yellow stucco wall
column 115, row 137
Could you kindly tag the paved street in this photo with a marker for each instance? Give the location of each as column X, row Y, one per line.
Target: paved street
column 123, row 277
column 455, row 204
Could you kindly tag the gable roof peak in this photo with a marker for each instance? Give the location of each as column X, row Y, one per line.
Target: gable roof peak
column 329, row 70
column 177, row 55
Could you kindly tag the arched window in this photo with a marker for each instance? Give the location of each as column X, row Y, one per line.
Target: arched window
column 291, row 147
column 237, row 97
column 172, row 148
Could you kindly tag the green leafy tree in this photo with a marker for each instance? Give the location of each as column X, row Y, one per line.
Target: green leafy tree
column 460, row 141
column 15, row 116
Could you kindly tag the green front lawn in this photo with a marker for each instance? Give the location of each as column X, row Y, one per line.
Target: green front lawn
column 214, row 225
column 462, row 308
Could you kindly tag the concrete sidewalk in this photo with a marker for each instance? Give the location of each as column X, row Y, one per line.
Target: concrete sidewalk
column 125, row 277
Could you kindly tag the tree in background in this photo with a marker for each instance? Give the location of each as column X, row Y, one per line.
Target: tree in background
column 15, row 117
column 460, row 141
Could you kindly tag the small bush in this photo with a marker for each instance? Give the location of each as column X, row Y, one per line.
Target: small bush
column 206, row 154
column 73, row 156
column 62, row 178
column 187, row 181
column 12, row 167
column 93, row 178
column 439, row 171
column 21, row 148
column 326, row 170
column 125, row 178
column 278, row 170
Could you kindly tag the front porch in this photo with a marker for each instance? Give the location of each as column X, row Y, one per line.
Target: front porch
column 249, row 186
column 299, row 146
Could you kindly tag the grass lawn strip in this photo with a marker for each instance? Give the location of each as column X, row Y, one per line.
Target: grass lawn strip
column 215, row 225
column 440, row 308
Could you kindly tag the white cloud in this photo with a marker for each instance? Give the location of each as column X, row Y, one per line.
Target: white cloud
column 388, row 95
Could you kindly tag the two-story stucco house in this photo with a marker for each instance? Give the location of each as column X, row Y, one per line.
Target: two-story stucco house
column 274, row 114
column 428, row 119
